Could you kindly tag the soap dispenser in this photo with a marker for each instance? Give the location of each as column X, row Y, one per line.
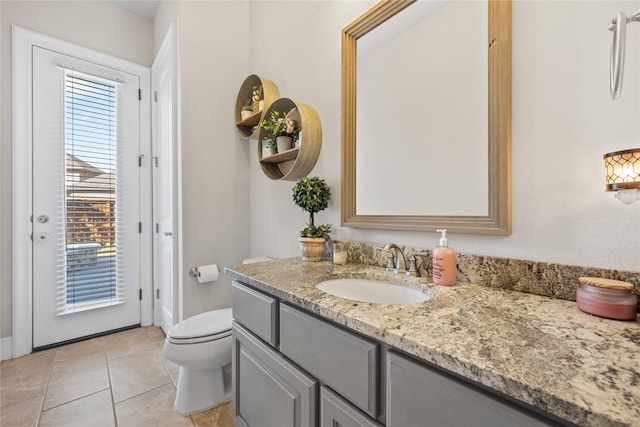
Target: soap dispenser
column 444, row 262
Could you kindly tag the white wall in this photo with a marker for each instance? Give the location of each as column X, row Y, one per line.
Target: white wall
column 213, row 50
column 98, row 25
column 563, row 122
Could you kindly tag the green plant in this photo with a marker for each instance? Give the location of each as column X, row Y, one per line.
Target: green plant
column 247, row 108
column 270, row 143
column 322, row 230
column 312, row 195
column 277, row 124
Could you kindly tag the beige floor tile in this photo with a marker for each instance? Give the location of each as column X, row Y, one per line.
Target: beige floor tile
column 75, row 378
column 136, row 374
column 79, row 349
column 220, row 416
column 95, row 410
column 21, row 414
column 24, row 378
column 133, row 341
column 151, row 409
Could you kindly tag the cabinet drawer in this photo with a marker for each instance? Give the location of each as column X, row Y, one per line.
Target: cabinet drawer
column 268, row 390
column 256, row 311
column 418, row 395
column 343, row 361
column 335, row 411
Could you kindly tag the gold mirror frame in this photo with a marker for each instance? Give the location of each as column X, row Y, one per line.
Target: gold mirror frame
column 498, row 220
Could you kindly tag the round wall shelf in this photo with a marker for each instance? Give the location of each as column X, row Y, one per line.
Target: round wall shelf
column 294, row 163
column 267, row 92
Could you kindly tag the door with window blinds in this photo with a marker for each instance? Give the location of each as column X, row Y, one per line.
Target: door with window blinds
column 86, row 180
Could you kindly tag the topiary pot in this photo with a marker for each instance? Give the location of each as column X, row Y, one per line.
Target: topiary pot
column 312, row 248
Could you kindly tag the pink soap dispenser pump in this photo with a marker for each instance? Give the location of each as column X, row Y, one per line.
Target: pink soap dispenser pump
column 444, row 262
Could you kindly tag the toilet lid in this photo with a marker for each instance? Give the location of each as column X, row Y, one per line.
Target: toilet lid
column 202, row 325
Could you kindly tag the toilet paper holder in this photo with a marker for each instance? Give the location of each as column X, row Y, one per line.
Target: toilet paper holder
column 205, row 273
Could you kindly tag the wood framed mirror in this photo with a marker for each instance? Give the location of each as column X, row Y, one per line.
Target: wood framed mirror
column 403, row 159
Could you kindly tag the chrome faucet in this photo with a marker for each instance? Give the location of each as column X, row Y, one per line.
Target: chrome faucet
column 389, row 248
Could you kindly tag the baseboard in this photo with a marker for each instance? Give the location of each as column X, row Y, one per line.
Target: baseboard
column 6, row 348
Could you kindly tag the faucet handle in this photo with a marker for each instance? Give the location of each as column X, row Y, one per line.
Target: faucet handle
column 412, row 269
column 391, row 261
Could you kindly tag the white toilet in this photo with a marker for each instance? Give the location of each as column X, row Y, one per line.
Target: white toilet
column 201, row 347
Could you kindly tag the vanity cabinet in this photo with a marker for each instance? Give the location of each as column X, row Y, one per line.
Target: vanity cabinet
column 419, row 395
column 335, row 411
column 256, row 311
column 268, row 390
column 313, row 372
column 342, row 360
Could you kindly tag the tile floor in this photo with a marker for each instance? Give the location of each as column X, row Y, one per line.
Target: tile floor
column 116, row 380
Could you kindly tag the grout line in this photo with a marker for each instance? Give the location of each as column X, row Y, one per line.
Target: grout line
column 113, row 400
column 46, row 387
column 74, row 400
column 140, row 394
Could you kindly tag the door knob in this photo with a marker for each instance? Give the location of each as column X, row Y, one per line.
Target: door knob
column 43, row 237
column 168, row 233
column 43, row 219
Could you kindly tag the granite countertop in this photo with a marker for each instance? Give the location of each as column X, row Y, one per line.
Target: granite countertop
column 536, row 349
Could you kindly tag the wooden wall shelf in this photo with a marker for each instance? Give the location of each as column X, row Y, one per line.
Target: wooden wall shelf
column 297, row 162
column 281, row 157
column 249, row 127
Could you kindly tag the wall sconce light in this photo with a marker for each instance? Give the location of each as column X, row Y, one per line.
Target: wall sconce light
column 623, row 174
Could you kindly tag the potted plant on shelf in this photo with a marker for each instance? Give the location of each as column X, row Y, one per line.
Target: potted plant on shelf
column 312, row 195
column 268, row 147
column 281, row 129
column 246, row 112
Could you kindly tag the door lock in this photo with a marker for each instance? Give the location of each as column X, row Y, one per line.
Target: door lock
column 43, row 219
column 43, row 237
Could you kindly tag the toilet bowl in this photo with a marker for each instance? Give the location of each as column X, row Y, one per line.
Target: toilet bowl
column 201, row 347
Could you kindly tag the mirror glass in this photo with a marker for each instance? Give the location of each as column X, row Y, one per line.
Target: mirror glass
column 429, row 127
column 428, row 145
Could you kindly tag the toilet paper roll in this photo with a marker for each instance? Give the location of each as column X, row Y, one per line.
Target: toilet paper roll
column 208, row 273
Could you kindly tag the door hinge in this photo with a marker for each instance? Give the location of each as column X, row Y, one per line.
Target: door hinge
column 140, row 292
column 155, row 96
column 140, row 156
column 157, row 227
column 158, row 293
column 155, row 161
column 140, row 228
column 139, row 94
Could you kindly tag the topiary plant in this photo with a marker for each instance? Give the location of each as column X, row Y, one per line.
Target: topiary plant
column 312, row 195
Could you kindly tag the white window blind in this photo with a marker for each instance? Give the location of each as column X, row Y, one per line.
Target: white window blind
column 90, row 262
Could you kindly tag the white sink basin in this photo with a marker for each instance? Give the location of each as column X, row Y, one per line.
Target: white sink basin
column 378, row 291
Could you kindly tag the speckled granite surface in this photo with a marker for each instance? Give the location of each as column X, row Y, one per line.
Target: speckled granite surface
column 540, row 278
column 536, row 349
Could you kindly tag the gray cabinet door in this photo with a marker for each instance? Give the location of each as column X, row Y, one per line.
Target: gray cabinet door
column 344, row 361
column 418, row 395
column 268, row 391
column 256, row 311
column 337, row 412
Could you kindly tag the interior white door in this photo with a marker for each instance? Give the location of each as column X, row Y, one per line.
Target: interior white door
column 86, row 198
column 164, row 116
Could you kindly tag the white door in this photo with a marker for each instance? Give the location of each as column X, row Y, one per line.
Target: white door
column 86, row 198
column 164, row 116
